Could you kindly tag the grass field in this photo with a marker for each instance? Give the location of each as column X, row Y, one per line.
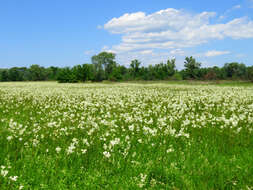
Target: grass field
column 126, row 136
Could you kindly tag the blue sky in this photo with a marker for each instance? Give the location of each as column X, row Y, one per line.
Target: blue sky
column 66, row 33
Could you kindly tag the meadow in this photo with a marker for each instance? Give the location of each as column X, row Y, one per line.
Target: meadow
column 125, row 136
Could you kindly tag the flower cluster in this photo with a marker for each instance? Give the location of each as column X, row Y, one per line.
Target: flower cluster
column 116, row 124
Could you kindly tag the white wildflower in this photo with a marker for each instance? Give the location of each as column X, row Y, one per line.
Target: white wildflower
column 58, row 149
column 115, row 141
column 83, row 151
column 107, row 154
column 13, row 178
column 131, row 127
column 4, row 173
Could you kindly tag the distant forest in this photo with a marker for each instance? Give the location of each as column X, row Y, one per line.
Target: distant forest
column 104, row 67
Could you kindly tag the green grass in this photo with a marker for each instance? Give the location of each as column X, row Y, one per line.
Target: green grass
column 235, row 83
column 126, row 136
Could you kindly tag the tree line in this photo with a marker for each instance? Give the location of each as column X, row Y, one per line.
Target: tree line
column 104, row 67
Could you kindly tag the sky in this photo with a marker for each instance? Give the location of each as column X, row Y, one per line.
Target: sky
column 66, row 33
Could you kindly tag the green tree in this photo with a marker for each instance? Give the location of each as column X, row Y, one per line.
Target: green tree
column 52, row 73
column 37, row 73
column 171, row 66
column 4, row 75
column 235, row 70
column 192, row 68
column 66, row 75
column 79, row 73
column 135, row 67
column 14, row 74
column 210, row 74
column 250, row 73
column 160, row 71
column 104, row 63
column 151, row 73
column 88, row 72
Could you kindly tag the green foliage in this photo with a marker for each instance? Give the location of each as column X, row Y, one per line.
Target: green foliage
column 37, row 73
column 171, row 66
column 135, row 67
column 66, row 75
column 4, row 75
column 192, row 68
column 250, row 73
column 14, row 74
column 104, row 64
column 104, row 67
column 52, row 73
column 177, row 76
column 125, row 136
column 235, row 70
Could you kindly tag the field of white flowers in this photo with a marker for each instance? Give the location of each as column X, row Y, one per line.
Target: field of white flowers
column 125, row 136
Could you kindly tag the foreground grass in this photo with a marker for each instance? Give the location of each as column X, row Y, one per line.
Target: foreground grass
column 125, row 136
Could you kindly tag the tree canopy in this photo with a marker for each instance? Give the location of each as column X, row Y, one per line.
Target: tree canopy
column 103, row 66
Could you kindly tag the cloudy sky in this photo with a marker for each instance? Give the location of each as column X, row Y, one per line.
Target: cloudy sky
column 66, row 33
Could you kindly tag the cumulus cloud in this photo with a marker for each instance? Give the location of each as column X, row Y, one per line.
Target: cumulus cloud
column 214, row 53
column 168, row 19
column 173, row 29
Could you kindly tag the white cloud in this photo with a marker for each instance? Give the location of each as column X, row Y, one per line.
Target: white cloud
column 159, row 21
column 173, row 29
column 89, row 52
column 177, row 52
column 149, row 52
column 99, row 27
column 105, row 48
column 240, row 55
column 237, row 7
column 214, row 53
column 227, row 12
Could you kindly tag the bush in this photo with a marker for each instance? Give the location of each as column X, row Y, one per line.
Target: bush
column 177, row 76
column 250, row 73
